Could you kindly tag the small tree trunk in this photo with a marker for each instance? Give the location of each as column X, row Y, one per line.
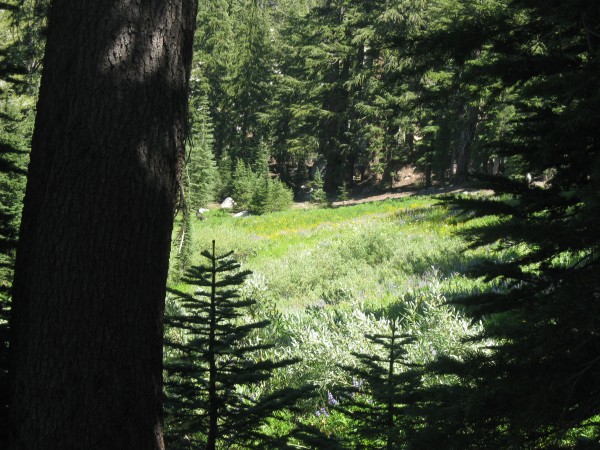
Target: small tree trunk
column 465, row 141
column 95, row 235
column 390, row 407
column 428, row 173
column 213, row 406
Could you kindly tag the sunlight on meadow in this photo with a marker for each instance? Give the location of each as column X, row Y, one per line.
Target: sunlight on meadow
column 325, row 277
column 368, row 254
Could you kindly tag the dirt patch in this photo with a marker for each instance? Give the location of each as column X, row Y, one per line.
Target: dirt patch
column 407, row 191
column 374, row 198
column 407, row 176
column 372, row 194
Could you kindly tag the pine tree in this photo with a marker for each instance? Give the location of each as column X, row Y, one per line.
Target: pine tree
column 200, row 176
column 214, row 44
column 382, row 384
column 343, row 193
column 318, row 194
column 213, row 372
column 260, row 162
column 200, row 168
column 225, row 169
column 271, row 195
column 534, row 382
column 244, row 185
column 234, row 43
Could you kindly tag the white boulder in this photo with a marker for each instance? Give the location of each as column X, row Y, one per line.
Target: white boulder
column 228, row 203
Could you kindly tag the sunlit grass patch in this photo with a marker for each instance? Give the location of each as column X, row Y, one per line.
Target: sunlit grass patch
column 368, row 252
column 305, row 220
column 324, row 277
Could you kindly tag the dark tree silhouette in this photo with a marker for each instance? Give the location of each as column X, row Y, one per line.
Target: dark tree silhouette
column 382, row 386
column 204, row 408
column 94, row 245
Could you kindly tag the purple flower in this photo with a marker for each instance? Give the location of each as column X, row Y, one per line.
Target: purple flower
column 322, row 412
column 331, row 399
column 357, row 383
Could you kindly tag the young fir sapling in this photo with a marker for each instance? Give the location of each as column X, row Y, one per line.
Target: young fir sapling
column 212, row 368
column 379, row 397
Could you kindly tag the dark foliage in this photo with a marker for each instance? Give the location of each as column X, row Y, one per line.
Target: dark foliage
column 212, row 372
column 534, row 383
column 383, row 386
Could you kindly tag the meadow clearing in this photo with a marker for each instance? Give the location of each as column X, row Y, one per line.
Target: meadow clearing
column 324, row 277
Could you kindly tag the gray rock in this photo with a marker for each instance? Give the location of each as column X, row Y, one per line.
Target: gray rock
column 228, row 203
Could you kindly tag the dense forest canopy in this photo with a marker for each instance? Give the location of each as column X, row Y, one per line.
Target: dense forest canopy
column 319, row 99
column 359, row 90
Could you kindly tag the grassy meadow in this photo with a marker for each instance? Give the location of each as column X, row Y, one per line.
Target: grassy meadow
column 368, row 255
column 326, row 276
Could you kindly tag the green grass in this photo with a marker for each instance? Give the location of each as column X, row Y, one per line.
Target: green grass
column 324, row 277
column 370, row 253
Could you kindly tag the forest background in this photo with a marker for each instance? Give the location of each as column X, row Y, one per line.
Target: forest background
column 284, row 94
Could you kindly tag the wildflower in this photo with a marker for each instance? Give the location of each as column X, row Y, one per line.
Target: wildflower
column 322, row 412
column 357, row 383
column 331, row 399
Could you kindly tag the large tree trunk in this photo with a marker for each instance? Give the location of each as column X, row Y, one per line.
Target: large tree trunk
column 95, row 236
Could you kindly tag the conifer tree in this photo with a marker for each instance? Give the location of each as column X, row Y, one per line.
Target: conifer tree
column 234, row 43
column 343, row 193
column 214, row 52
column 201, row 168
column 244, row 185
column 318, row 194
column 260, row 162
column 199, row 178
column 212, row 371
column 534, row 382
column 225, row 169
column 271, row 195
column 382, row 384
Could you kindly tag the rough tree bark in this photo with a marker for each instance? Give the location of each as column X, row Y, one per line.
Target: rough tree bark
column 95, row 236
